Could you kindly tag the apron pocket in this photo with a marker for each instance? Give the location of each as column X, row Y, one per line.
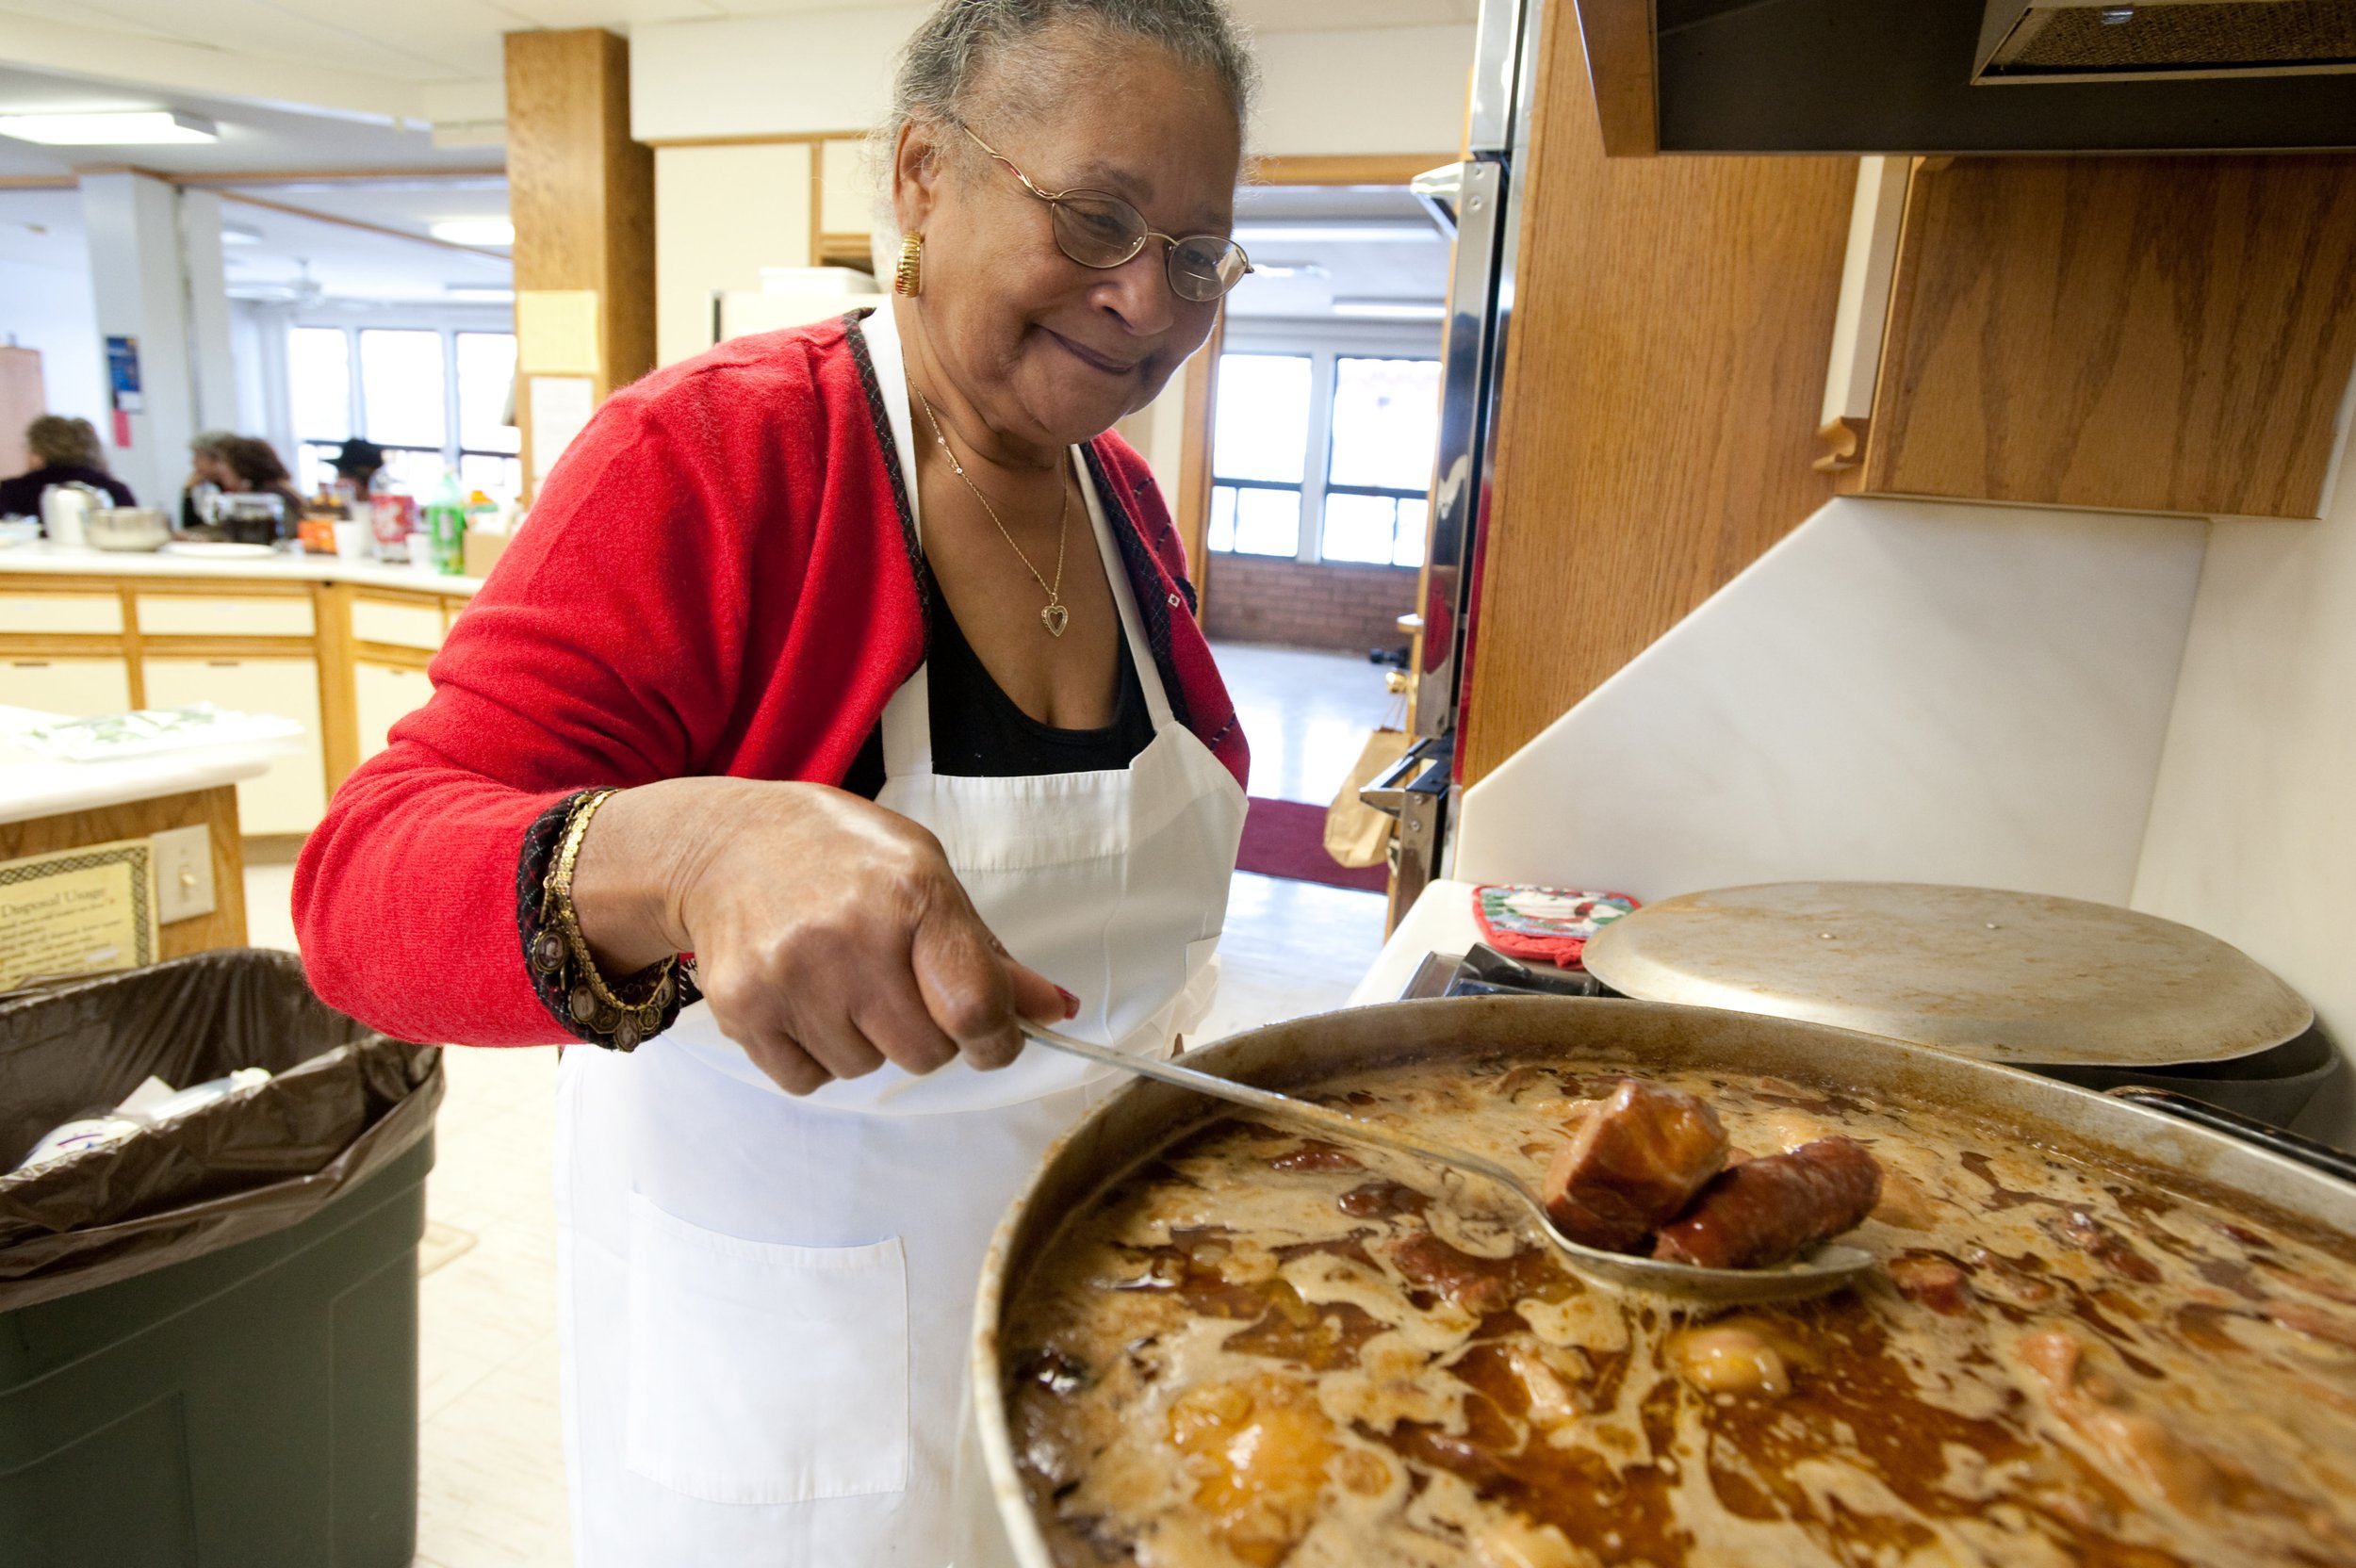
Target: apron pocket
column 762, row 1373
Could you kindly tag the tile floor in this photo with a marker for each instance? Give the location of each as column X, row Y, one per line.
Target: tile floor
column 491, row 1473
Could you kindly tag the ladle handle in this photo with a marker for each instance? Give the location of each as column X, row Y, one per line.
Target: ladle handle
column 1283, row 1107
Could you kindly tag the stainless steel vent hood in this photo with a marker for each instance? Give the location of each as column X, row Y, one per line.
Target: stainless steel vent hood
column 1980, row 75
column 2148, row 41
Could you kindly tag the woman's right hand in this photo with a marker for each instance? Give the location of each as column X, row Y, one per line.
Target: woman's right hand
column 830, row 934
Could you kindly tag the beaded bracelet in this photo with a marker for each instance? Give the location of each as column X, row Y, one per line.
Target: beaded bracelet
column 564, row 973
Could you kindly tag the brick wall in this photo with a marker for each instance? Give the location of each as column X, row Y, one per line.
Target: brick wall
column 1255, row 598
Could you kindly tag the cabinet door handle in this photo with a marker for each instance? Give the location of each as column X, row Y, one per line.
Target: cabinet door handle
column 32, row 663
column 223, row 664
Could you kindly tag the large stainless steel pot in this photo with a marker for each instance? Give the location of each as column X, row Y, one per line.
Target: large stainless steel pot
column 996, row 1526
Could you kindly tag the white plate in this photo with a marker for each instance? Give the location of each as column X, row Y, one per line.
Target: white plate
column 214, row 549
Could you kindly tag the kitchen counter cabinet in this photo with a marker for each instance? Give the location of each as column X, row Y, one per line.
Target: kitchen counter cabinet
column 2160, row 335
column 339, row 647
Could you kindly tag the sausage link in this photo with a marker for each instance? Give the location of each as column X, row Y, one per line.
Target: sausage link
column 1637, row 1159
column 1770, row 1210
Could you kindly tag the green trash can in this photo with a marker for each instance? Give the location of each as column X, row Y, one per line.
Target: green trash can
column 208, row 1332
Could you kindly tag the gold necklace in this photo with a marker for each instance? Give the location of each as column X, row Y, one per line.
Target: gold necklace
column 1055, row 617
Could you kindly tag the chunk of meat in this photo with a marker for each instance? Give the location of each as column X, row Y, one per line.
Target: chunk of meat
column 1730, row 1358
column 1259, row 1447
column 1479, row 1285
column 1633, row 1163
column 2107, row 1246
column 2134, row 1442
column 1769, row 1210
column 1933, row 1281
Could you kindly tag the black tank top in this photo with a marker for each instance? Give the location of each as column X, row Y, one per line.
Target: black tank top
column 980, row 732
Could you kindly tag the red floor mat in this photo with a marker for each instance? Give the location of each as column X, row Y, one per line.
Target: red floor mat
column 1286, row 838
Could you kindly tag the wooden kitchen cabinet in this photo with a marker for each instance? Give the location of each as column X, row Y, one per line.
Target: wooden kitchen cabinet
column 384, row 694
column 292, row 795
column 77, row 685
column 2125, row 334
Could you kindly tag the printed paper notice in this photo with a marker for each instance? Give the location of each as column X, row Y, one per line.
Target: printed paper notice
column 556, row 332
column 79, row 911
column 560, row 407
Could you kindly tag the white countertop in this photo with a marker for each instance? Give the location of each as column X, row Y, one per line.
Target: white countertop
column 1440, row 921
column 32, row 786
column 42, row 557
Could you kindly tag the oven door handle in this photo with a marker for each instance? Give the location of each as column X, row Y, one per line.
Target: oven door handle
column 1387, row 791
column 2275, row 1141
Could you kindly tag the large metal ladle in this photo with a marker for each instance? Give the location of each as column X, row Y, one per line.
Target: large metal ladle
column 1827, row 1269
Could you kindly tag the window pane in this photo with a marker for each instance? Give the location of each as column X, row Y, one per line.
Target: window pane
column 1386, row 422
column 401, row 387
column 315, row 466
column 1415, row 518
column 1358, row 527
column 419, row 473
column 1268, row 522
column 318, row 382
column 486, row 368
column 1222, row 531
column 494, row 476
column 1260, row 429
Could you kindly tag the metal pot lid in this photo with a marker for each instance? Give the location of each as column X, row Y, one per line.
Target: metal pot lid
column 2009, row 977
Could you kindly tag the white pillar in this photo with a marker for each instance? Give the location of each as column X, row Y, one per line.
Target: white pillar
column 139, row 286
column 210, row 361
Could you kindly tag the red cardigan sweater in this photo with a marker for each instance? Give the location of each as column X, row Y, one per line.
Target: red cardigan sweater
column 720, row 579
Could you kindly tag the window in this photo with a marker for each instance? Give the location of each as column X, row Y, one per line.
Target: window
column 1324, row 456
column 1386, row 430
column 434, row 398
column 1259, row 454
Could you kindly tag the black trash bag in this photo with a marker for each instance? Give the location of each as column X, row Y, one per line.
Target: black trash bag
column 344, row 1102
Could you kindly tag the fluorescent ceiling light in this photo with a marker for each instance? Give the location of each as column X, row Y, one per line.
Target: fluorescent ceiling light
column 125, row 128
column 239, row 233
column 474, row 231
column 1290, row 269
column 1393, row 310
column 1418, row 233
column 488, row 293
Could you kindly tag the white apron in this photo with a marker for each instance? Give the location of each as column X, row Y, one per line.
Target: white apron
column 765, row 1302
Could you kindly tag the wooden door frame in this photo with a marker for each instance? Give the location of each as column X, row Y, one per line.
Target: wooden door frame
column 1192, row 514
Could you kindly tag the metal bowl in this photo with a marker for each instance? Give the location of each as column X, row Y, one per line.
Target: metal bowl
column 994, row 1522
column 127, row 527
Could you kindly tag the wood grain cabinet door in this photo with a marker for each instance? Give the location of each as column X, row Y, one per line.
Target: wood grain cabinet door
column 2126, row 334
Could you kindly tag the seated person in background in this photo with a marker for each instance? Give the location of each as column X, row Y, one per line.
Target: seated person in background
column 64, row 450
column 208, row 474
column 254, row 469
column 357, row 464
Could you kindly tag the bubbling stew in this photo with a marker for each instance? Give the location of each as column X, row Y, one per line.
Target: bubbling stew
column 1261, row 1349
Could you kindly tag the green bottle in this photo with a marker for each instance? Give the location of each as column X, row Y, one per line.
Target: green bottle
column 446, row 526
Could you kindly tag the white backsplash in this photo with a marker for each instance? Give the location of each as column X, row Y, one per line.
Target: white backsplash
column 1899, row 691
column 2252, row 829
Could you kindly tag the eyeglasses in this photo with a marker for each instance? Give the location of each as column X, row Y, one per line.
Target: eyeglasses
column 1102, row 231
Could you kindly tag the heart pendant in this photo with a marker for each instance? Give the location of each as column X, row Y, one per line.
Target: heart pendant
column 1054, row 618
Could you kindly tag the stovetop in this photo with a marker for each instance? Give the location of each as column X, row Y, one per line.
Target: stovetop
column 1485, row 971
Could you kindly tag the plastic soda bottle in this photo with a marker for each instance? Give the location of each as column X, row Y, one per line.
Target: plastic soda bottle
column 446, row 527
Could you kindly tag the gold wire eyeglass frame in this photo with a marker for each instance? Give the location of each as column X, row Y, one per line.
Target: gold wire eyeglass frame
column 1178, row 279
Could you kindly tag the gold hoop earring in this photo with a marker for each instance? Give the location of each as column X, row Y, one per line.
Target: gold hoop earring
column 908, row 277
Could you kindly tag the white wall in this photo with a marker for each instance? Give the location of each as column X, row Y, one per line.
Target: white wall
column 720, row 214
column 1371, row 90
column 51, row 309
column 1897, row 691
column 2253, row 831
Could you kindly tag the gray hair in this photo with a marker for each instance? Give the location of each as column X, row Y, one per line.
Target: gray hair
column 962, row 39
column 211, row 443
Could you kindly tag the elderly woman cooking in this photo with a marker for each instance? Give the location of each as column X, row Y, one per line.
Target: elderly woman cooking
column 857, row 663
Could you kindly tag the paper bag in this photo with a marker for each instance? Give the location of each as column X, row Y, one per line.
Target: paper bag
column 1355, row 833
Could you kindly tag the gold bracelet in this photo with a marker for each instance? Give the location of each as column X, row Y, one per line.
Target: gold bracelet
column 592, row 1003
